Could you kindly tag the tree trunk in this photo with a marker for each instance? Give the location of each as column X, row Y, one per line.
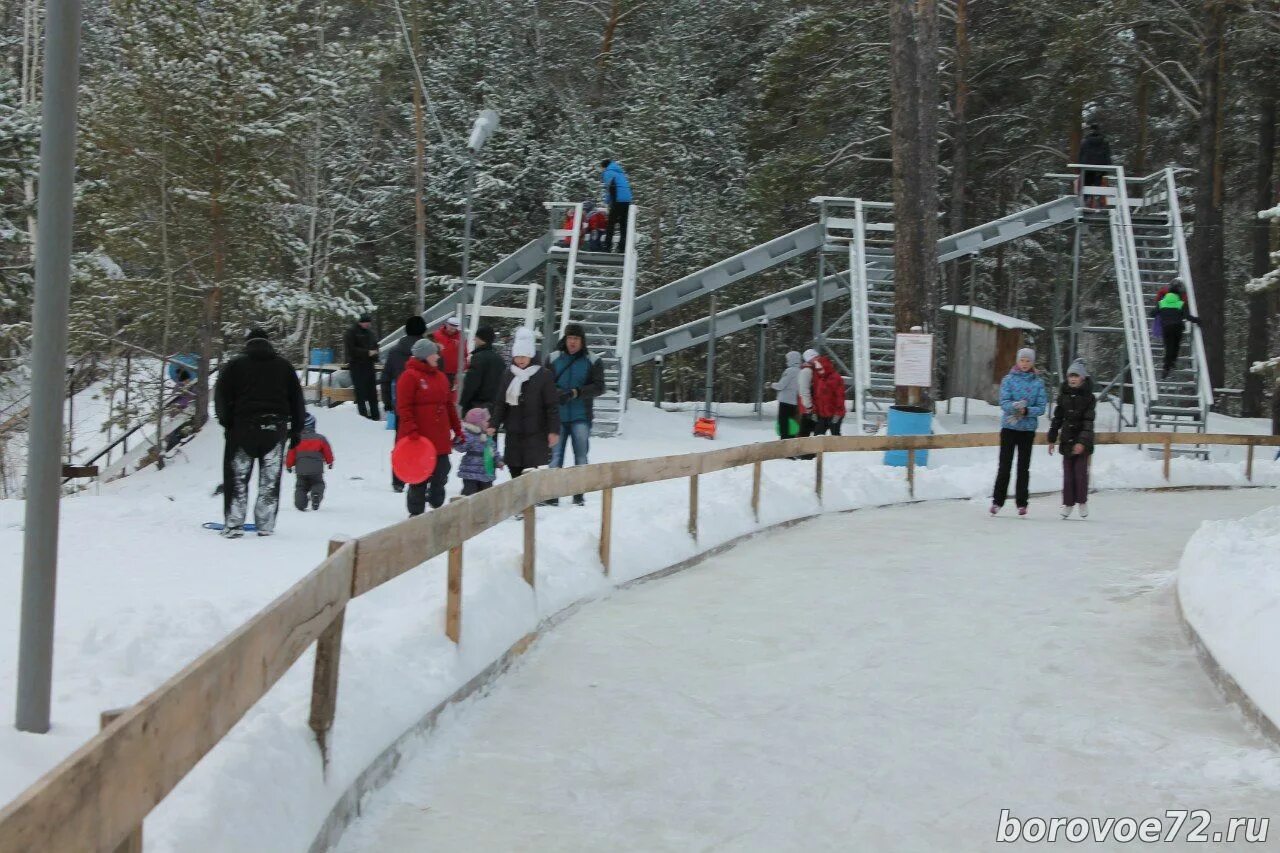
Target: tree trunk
column 960, row 138
column 419, row 179
column 1259, row 331
column 211, row 321
column 1206, row 237
column 606, row 48
column 914, row 68
column 1144, row 112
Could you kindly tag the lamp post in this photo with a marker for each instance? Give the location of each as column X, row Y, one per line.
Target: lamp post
column 486, row 123
column 56, row 215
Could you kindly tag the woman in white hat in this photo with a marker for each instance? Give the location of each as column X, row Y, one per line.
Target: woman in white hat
column 528, row 407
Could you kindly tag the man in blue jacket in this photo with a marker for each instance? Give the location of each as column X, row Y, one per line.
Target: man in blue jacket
column 1022, row 401
column 579, row 378
column 617, row 192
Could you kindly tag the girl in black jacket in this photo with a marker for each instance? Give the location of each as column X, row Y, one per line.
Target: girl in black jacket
column 1071, row 430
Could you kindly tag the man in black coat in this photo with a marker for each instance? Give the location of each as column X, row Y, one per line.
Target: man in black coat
column 258, row 402
column 362, row 360
column 397, row 357
column 1094, row 151
column 484, row 373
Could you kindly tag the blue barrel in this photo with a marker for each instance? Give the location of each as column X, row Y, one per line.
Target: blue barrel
column 321, row 356
column 908, row 420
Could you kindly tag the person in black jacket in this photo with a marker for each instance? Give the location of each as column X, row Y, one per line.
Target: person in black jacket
column 362, row 360
column 1174, row 313
column 1094, row 151
column 397, row 357
column 258, row 401
column 579, row 378
column 484, row 373
column 1071, row 431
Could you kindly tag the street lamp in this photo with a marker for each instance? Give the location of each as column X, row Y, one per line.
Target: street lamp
column 486, row 123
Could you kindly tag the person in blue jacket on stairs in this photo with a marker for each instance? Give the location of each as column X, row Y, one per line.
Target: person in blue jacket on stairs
column 617, row 192
column 1022, row 401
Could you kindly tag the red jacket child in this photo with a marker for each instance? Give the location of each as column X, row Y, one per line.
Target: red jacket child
column 598, row 221
column 828, row 389
column 427, row 406
column 449, row 339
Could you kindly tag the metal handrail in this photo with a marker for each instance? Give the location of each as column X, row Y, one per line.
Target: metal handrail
column 1204, row 382
column 626, row 309
column 571, row 265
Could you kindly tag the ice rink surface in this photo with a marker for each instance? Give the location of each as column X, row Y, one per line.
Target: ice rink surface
column 885, row 680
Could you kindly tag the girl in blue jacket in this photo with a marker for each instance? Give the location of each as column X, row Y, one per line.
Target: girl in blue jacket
column 1022, row 401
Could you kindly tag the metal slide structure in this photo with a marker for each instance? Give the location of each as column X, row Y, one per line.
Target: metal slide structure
column 596, row 290
column 1148, row 247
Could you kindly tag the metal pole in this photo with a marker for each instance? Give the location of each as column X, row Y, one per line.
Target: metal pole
column 549, row 302
column 56, row 214
column 466, row 263
column 1073, row 340
column 817, row 296
column 711, row 355
column 968, row 332
column 657, row 382
column 762, row 329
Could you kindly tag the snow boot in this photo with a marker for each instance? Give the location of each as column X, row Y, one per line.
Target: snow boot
column 232, row 532
column 1066, row 511
column 550, row 502
column 579, row 500
column 995, row 508
column 1022, row 510
column 1084, row 510
column 266, row 532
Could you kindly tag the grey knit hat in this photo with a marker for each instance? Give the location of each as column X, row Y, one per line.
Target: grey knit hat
column 424, row 348
column 1077, row 368
column 1027, row 352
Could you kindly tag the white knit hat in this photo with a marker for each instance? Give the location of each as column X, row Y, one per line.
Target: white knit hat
column 809, row 355
column 524, row 344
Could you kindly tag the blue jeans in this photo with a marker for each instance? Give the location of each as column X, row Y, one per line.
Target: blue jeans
column 580, row 433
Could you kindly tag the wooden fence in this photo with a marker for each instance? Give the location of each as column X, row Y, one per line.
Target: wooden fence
column 97, row 798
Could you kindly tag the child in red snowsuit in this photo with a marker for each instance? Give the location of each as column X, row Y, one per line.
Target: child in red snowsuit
column 310, row 457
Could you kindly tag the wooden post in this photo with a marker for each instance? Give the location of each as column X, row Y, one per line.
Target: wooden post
column 324, row 679
column 530, row 544
column 817, row 476
column 693, row 506
column 755, row 489
column 911, row 473
column 133, row 843
column 1248, row 463
column 453, row 605
column 606, row 528
column 1168, row 455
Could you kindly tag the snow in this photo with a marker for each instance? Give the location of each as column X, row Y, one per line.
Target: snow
column 143, row 590
column 1229, row 587
column 851, row 678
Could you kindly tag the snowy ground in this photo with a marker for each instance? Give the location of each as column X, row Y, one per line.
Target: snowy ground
column 1229, row 586
column 893, row 689
column 143, row 590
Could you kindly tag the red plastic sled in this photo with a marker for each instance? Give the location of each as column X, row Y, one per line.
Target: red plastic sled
column 413, row 459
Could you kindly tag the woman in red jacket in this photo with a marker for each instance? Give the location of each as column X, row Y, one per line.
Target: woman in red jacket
column 828, row 396
column 426, row 406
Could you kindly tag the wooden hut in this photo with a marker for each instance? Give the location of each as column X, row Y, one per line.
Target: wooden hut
column 984, row 347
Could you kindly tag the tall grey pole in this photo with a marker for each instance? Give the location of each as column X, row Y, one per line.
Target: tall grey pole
column 711, row 355
column 55, row 213
column 465, row 299
column 968, row 332
column 762, row 329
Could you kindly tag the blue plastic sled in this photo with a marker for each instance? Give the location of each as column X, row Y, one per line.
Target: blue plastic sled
column 218, row 525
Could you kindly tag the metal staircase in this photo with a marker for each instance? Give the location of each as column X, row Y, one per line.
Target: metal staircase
column 1182, row 399
column 599, row 291
column 1133, row 301
column 871, row 311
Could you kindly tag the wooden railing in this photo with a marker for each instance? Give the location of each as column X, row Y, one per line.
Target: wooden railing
column 97, row 798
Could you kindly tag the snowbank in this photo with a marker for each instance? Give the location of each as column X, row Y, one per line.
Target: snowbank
column 1229, row 589
column 143, row 590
